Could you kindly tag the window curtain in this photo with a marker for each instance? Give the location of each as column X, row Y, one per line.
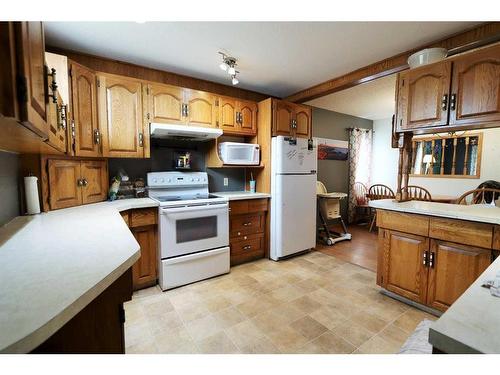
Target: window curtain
column 360, row 158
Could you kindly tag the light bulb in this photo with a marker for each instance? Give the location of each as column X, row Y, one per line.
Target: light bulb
column 231, row 70
column 235, row 81
column 223, row 66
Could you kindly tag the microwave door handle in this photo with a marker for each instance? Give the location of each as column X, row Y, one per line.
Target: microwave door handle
column 178, row 210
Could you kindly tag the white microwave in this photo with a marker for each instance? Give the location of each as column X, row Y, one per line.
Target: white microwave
column 239, row 153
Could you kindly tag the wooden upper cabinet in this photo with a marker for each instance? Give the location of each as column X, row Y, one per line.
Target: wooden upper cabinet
column 64, row 187
column 425, row 95
column 94, row 174
column 201, row 108
column 304, row 122
column 283, row 116
column 476, row 87
column 87, row 139
column 164, row 104
column 228, row 115
column 453, row 268
column 121, row 116
column 247, row 117
column 404, row 271
column 32, row 76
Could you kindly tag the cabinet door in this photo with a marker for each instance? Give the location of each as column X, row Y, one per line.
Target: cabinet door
column 32, row 73
column 165, row 104
column 476, row 87
column 120, row 116
column 201, row 108
column 84, row 111
column 304, row 122
column 452, row 269
column 56, row 125
column 63, row 183
column 248, row 117
column 227, row 115
column 95, row 181
column 283, row 116
column 425, row 91
column 144, row 270
column 404, row 270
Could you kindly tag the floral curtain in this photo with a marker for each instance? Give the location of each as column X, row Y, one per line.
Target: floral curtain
column 360, row 158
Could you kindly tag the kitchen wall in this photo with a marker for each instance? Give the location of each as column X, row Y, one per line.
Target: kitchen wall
column 163, row 155
column 385, row 163
column 328, row 124
column 9, row 187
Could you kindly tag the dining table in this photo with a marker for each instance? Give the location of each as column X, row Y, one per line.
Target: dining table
column 438, row 198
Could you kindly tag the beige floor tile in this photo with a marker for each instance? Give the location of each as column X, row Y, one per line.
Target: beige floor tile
column 287, row 339
column 332, row 344
column 192, row 312
column 217, row 303
column 287, row 313
column 244, row 334
column 217, row 344
column 158, row 307
column 386, row 311
column 369, row 321
column 377, row 345
column 394, row 334
column 409, row 320
column 146, row 347
column 137, row 333
column 256, row 305
column 261, row 346
column 164, row 322
column 352, row 332
column 175, row 341
column 308, row 327
column 181, row 300
column 305, row 304
column 228, row 317
column 202, row 328
column 329, row 317
column 307, row 285
column 287, row 293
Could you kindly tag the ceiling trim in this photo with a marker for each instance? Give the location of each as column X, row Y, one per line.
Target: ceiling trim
column 471, row 38
column 106, row 65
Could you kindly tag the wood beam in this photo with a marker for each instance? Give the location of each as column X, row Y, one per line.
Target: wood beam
column 105, row 65
column 480, row 35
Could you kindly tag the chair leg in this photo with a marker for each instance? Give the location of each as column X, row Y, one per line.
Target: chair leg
column 373, row 221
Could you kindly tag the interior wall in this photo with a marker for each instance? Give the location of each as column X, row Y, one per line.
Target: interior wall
column 385, row 163
column 327, row 124
column 9, row 187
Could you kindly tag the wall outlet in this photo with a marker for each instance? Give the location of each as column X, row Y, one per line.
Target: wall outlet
column 226, row 181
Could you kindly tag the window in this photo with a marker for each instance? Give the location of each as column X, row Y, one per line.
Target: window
column 447, row 156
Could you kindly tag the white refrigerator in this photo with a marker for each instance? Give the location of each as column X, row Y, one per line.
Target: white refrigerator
column 293, row 196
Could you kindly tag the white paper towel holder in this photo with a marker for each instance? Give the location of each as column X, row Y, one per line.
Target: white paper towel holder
column 31, row 194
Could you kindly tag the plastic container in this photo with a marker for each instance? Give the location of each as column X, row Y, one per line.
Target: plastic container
column 427, row 56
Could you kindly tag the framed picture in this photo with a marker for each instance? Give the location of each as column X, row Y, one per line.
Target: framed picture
column 331, row 149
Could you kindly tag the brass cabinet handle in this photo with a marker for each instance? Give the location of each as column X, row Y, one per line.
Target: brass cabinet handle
column 185, row 110
column 424, row 261
column 141, row 140
column 247, row 224
column 453, row 101
column 79, row 182
column 431, row 260
column 444, row 102
column 247, row 247
column 97, row 137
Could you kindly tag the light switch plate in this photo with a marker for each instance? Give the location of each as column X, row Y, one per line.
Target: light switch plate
column 226, row 181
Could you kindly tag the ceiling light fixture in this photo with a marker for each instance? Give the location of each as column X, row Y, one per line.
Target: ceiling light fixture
column 229, row 66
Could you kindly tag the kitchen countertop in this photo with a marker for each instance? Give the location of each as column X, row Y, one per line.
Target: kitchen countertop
column 478, row 213
column 240, row 195
column 53, row 264
column 472, row 323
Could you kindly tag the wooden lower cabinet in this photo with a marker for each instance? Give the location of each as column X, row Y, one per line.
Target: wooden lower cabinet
column 425, row 269
column 452, row 270
column 247, row 223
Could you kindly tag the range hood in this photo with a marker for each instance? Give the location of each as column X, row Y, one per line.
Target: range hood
column 183, row 132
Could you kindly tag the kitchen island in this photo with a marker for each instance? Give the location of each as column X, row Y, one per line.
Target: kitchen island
column 436, row 256
column 54, row 265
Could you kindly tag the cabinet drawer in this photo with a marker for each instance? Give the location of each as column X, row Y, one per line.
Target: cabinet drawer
column 463, row 232
column 402, row 222
column 248, row 249
column 247, row 206
column 143, row 216
column 246, row 224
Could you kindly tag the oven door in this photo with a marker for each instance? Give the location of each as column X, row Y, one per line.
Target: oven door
column 186, row 230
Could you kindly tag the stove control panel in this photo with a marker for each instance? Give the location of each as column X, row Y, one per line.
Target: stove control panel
column 172, row 179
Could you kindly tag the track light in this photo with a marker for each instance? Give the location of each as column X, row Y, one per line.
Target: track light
column 234, row 80
column 224, row 66
column 229, row 65
column 231, row 71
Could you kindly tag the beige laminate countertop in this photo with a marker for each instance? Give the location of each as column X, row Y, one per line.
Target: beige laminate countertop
column 240, row 195
column 54, row 264
column 478, row 212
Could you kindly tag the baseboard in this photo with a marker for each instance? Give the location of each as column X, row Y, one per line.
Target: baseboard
column 417, row 305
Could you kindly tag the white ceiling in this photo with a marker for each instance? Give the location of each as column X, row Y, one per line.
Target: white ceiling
column 275, row 58
column 373, row 100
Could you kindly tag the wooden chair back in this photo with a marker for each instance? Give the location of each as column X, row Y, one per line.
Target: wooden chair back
column 360, row 191
column 479, row 196
column 417, row 193
column 380, row 191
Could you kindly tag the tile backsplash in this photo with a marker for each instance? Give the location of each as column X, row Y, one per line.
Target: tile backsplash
column 9, row 187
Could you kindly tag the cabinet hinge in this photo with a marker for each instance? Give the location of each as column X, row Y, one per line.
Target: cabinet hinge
column 147, row 90
column 216, row 102
column 98, row 83
column 148, row 116
column 402, row 83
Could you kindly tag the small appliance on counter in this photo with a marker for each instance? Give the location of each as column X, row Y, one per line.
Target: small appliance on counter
column 239, row 153
column 183, row 160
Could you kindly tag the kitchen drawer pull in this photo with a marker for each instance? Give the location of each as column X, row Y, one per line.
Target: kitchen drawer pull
column 431, row 260
column 424, row 261
column 247, row 224
column 247, row 247
column 453, row 101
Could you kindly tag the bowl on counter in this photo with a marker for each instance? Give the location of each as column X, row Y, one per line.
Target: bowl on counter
column 427, row 56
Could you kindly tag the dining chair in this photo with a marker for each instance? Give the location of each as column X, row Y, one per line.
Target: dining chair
column 479, row 196
column 417, row 193
column 362, row 207
column 377, row 192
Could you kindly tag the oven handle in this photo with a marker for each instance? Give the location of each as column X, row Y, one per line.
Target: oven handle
column 179, row 210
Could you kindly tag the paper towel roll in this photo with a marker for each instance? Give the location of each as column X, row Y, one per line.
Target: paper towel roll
column 31, row 192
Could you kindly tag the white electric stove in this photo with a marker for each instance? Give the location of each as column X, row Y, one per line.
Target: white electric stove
column 193, row 228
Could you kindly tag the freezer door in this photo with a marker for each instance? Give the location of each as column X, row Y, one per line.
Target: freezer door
column 293, row 215
column 293, row 158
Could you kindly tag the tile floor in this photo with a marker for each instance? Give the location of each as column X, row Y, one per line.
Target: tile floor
column 313, row 303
